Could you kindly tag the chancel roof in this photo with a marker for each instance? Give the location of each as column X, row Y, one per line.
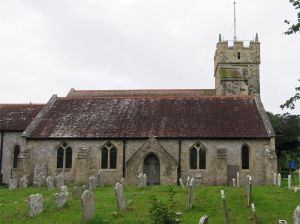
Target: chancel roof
column 16, row 117
column 142, row 117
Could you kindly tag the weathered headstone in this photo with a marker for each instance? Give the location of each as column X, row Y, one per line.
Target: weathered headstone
column 123, row 182
column 145, row 179
column 249, row 191
column 238, row 179
column 64, row 189
column 181, row 182
column 23, row 183
column 61, row 199
column 60, row 181
column 296, row 216
column 35, row 204
column 254, row 217
column 279, row 180
column 92, row 183
column 289, row 182
column 100, row 178
column 225, row 207
column 188, row 181
column 50, row 183
column 120, row 196
column 191, row 198
column 12, row 184
column 88, row 205
column 39, row 174
column 203, row 220
column 233, row 182
column 141, row 180
column 275, row 179
column 76, row 192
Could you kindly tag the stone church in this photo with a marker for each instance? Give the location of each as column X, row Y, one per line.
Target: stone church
column 209, row 134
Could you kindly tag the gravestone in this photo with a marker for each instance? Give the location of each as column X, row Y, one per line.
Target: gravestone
column 238, row 179
column 249, row 191
column 100, row 178
column 23, row 183
column 289, row 182
column 35, row 204
column 188, row 181
column 123, row 182
column 120, row 196
column 50, row 183
column 191, row 198
column 181, row 182
column 296, row 216
column 12, row 184
column 77, row 192
column 275, row 179
column 254, row 217
column 92, row 183
column 233, row 182
column 296, row 189
column 279, row 180
column 203, row 220
column 84, row 188
column 64, row 189
column 225, row 207
column 39, row 174
column 60, row 181
column 145, row 180
column 61, row 199
column 141, row 180
column 88, row 205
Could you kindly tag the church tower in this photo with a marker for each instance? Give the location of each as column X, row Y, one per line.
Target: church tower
column 237, row 68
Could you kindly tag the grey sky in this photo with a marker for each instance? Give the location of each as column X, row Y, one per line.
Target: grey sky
column 48, row 47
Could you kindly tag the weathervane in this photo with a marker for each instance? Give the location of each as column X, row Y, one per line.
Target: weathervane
column 234, row 38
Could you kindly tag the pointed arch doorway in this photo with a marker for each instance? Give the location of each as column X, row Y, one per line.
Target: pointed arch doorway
column 152, row 169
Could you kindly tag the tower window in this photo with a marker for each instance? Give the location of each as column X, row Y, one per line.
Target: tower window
column 239, row 55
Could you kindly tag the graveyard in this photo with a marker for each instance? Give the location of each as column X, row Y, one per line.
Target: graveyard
column 272, row 203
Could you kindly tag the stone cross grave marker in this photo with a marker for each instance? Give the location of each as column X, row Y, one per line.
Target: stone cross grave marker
column 92, row 183
column 181, row 182
column 120, row 196
column 225, row 207
column 23, row 183
column 233, row 182
column 77, row 192
column 253, row 213
column 296, row 216
column 203, row 220
column 35, row 204
column 60, row 181
column 88, row 205
column 191, row 199
column 275, row 179
column 279, row 180
column 50, row 183
column 100, row 178
column 238, row 179
column 12, row 184
column 289, row 182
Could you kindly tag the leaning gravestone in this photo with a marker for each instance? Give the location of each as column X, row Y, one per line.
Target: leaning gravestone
column 60, row 181
column 92, row 183
column 100, row 179
column 123, row 182
column 181, row 182
column 12, row 184
column 61, row 199
column 77, row 192
column 279, row 180
column 275, row 179
column 191, row 193
column 50, row 183
column 35, row 204
column 296, row 216
column 88, row 205
column 23, row 183
column 120, row 196
column 203, row 220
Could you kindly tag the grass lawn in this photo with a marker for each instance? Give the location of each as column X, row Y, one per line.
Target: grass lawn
column 272, row 204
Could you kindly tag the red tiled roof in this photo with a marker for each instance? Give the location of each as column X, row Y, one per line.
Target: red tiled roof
column 16, row 117
column 139, row 117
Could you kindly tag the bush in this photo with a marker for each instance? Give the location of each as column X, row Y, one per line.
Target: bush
column 163, row 212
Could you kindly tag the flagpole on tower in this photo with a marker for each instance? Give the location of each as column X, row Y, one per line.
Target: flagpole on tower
column 234, row 38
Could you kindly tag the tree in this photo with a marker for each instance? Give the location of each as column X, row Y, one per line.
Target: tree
column 294, row 28
column 287, row 142
column 290, row 103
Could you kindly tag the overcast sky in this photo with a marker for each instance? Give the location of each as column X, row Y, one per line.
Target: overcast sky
column 48, row 47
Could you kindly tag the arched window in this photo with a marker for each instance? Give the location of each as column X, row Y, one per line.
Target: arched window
column 16, row 154
column 198, row 157
column 64, row 156
column 108, row 157
column 245, row 156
